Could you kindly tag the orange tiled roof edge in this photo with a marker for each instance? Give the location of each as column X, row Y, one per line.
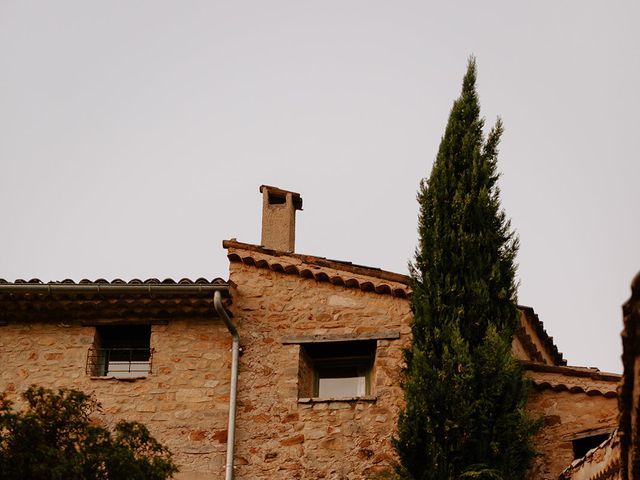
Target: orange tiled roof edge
column 608, row 390
column 346, row 274
column 118, row 281
column 547, row 340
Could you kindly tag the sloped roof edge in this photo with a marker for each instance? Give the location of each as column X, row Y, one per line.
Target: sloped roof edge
column 293, row 263
column 575, row 372
column 544, row 337
column 584, row 372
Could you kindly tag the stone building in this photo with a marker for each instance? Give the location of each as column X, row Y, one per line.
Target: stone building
column 618, row 457
column 318, row 383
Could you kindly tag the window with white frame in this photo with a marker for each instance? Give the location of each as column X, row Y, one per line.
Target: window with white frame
column 340, row 369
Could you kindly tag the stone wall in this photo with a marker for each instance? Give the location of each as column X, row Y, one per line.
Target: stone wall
column 184, row 402
column 565, row 416
column 282, row 436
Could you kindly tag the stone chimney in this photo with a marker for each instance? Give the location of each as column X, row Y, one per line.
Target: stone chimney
column 279, row 218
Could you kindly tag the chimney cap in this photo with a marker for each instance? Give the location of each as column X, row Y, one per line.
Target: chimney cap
column 297, row 199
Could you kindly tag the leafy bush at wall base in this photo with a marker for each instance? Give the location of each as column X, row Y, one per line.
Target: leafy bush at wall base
column 54, row 438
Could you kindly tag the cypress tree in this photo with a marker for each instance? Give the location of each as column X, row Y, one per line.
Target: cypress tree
column 465, row 393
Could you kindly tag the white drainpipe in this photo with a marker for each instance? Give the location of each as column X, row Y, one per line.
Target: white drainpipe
column 235, row 353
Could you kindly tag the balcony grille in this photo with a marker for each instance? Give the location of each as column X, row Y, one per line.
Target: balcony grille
column 119, row 362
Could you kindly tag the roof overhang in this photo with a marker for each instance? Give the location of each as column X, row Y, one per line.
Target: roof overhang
column 90, row 302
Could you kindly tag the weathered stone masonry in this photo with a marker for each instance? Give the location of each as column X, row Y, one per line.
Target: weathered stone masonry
column 279, row 436
column 184, row 401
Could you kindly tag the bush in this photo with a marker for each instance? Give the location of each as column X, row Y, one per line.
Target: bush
column 55, row 438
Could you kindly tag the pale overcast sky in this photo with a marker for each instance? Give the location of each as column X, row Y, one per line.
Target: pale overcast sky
column 134, row 136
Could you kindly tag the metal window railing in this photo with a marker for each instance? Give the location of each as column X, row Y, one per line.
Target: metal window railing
column 119, row 362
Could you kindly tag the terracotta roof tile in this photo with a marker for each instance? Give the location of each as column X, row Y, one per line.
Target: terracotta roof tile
column 346, row 274
column 547, row 340
column 589, row 381
column 561, row 387
column 87, row 301
column 117, row 281
column 526, row 341
column 572, row 371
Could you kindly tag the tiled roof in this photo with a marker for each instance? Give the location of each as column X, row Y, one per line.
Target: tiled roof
column 562, row 387
column 544, row 337
column 589, row 381
column 88, row 301
column 321, row 269
column 118, row 281
column 527, row 343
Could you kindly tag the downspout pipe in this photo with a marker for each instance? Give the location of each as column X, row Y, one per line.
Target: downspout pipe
column 233, row 395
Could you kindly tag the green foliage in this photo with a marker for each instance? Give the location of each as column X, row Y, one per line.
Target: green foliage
column 465, row 393
column 55, row 438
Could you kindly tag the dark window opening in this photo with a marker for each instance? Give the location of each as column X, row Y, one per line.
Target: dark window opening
column 120, row 351
column 336, row 369
column 276, row 199
column 582, row 445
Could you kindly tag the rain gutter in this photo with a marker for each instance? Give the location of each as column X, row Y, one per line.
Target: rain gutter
column 235, row 353
column 110, row 288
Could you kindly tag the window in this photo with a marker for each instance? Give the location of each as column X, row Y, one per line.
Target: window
column 336, row 369
column 120, row 351
column 582, row 445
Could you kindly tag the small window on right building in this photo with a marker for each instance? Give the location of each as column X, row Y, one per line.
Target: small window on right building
column 585, row 443
column 336, row 369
